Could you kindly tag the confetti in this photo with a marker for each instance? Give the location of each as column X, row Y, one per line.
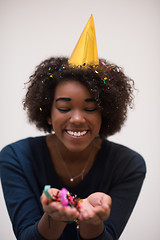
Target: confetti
column 64, row 197
column 104, row 79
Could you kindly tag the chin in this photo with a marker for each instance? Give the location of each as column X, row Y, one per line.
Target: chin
column 76, row 149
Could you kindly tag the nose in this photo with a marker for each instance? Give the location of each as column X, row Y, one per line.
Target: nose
column 77, row 117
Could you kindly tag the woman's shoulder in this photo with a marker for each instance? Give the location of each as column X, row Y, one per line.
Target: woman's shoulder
column 123, row 156
column 23, row 147
column 23, row 143
column 118, row 149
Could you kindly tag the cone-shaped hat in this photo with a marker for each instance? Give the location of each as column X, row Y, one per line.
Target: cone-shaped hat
column 85, row 51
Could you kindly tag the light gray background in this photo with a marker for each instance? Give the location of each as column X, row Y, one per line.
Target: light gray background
column 128, row 34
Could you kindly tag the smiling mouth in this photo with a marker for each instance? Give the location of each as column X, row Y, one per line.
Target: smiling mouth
column 77, row 133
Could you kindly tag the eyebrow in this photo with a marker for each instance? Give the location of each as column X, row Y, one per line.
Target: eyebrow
column 69, row 99
column 63, row 99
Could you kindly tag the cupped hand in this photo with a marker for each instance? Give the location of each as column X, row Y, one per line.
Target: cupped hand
column 95, row 208
column 55, row 209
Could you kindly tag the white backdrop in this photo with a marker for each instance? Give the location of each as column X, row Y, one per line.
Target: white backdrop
column 128, row 34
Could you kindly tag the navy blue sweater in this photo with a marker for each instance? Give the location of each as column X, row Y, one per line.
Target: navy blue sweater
column 26, row 167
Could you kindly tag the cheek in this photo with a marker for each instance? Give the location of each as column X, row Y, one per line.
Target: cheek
column 97, row 121
column 58, row 119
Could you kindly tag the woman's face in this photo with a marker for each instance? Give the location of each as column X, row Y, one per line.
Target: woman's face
column 75, row 117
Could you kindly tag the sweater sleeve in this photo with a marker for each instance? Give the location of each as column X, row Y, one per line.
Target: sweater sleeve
column 22, row 204
column 103, row 236
column 122, row 180
column 124, row 191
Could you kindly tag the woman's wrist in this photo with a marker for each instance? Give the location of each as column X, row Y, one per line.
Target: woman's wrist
column 89, row 231
column 50, row 229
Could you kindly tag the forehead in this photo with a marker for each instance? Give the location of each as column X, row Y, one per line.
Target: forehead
column 72, row 88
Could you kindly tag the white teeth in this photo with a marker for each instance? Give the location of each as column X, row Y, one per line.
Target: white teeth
column 76, row 134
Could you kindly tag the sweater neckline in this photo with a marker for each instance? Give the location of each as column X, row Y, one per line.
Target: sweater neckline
column 57, row 180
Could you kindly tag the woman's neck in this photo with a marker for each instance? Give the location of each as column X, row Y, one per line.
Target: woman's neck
column 69, row 156
column 72, row 165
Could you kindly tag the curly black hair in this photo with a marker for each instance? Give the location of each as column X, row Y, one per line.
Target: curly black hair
column 107, row 83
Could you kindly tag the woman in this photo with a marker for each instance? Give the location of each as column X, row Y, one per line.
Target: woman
column 79, row 107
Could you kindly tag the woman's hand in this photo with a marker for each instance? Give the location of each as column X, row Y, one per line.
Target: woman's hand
column 93, row 211
column 55, row 209
column 95, row 208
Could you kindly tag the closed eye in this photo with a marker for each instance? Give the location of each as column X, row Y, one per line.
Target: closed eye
column 63, row 109
column 91, row 109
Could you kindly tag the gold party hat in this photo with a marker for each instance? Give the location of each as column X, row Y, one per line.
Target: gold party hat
column 85, row 51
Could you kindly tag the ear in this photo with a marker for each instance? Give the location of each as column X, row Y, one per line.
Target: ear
column 49, row 121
